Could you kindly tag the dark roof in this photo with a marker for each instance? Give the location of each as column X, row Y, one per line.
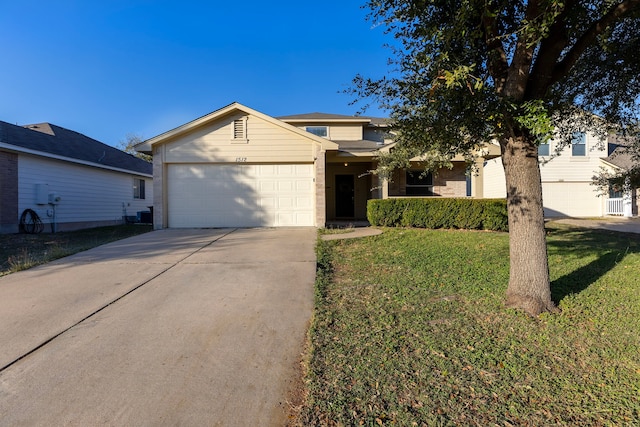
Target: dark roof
column 321, row 116
column 360, row 145
column 379, row 121
column 55, row 140
column 316, row 117
column 621, row 158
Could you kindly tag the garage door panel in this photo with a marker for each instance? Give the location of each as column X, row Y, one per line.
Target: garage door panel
column 240, row 195
column 286, row 169
column 293, row 219
column 267, row 170
column 268, row 186
column 286, row 202
column 304, row 202
column 304, row 185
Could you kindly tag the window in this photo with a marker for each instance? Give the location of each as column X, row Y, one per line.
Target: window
column 138, row 188
column 579, row 144
column 239, row 130
column 322, row 131
column 419, row 183
column 543, row 149
column 615, row 192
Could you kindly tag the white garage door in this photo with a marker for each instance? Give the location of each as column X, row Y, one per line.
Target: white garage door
column 240, row 195
column 578, row 199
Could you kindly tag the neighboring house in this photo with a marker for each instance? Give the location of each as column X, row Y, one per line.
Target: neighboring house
column 567, row 179
column 620, row 201
column 70, row 180
column 237, row 167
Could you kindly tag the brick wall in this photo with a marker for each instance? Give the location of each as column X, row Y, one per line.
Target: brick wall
column 8, row 192
column 451, row 182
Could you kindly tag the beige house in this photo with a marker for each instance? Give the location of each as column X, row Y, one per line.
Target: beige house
column 567, row 179
column 237, row 167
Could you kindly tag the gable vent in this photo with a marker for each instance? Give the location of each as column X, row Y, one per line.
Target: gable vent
column 238, row 129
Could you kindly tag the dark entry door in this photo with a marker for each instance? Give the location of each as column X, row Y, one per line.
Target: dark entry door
column 345, row 200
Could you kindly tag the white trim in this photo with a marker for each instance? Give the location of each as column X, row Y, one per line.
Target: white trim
column 19, row 149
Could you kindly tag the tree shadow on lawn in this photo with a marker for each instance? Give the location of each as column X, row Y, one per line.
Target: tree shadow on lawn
column 609, row 247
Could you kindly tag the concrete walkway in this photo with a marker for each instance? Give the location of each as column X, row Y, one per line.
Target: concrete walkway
column 353, row 233
column 173, row 327
column 622, row 225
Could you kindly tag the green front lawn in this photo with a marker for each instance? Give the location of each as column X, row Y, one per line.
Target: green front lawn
column 410, row 329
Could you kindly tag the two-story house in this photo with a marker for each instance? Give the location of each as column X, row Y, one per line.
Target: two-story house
column 567, row 178
column 237, row 167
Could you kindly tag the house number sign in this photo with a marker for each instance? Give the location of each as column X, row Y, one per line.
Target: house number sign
column 241, row 159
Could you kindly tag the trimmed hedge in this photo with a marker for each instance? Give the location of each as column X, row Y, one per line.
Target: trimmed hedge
column 476, row 214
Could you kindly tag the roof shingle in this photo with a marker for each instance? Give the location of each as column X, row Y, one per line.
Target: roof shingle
column 327, row 117
column 51, row 139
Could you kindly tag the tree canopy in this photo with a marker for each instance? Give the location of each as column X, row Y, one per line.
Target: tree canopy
column 466, row 72
column 470, row 71
column 128, row 145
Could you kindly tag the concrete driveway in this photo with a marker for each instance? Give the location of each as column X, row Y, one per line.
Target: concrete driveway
column 622, row 225
column 173, row 327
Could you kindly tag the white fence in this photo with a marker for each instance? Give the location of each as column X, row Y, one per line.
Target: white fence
column 614, row 206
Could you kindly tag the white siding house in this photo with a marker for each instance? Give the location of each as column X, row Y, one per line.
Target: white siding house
column 96, row 184
column 89, row 196
column 567, row 178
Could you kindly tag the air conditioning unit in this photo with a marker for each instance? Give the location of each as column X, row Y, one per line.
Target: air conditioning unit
column 54, row 198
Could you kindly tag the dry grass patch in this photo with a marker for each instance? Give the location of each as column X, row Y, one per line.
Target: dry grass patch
column 23, row 251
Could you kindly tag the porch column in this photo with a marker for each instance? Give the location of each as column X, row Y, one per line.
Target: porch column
column 383, row 188
column 477, row 179
column 627, row 200
column 321, row 191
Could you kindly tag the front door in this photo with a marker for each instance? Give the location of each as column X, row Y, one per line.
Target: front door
column 345, row 200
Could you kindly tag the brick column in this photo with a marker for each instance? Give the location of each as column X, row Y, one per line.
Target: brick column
column 158, row 188
column 321, row 192
column 8, row 192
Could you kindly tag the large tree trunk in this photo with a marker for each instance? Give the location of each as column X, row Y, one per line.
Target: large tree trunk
column 529, row 285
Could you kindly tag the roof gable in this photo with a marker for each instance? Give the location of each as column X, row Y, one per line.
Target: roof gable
column 175, row 133
column 54, row 141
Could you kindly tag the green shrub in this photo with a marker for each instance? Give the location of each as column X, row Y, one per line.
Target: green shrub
column 473, row 214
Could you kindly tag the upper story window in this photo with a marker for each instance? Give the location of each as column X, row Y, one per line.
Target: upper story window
column 138, row 188
column 419, row 183
column 543, row 149
column 579, row 144
column 322, row 131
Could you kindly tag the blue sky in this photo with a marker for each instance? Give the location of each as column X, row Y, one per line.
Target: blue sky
column 111, row 68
